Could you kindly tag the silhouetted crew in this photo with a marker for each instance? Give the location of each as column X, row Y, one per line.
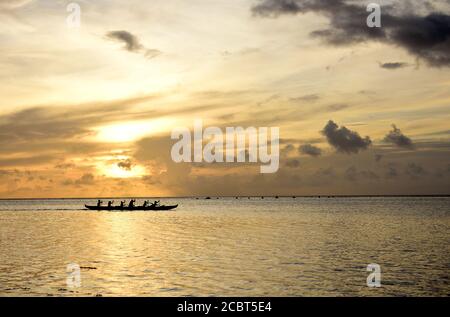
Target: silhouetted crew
column 131, row 204
column 122, row 203
column 145, row 204
column 110, row 203
column 99, row 203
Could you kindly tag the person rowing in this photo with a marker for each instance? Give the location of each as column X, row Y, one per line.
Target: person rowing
column 110, row 203
column 131, row 204
column 99, row 203
column 155, row 203
column 122, row 203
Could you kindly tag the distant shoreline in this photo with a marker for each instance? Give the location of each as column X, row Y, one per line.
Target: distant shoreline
column 215, row 197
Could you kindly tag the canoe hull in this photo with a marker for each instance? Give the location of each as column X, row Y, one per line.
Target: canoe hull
column 137, row 208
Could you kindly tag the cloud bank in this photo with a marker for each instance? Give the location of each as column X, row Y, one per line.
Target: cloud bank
column 426, row 37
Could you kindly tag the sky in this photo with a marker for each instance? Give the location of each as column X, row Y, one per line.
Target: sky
column 88, row 111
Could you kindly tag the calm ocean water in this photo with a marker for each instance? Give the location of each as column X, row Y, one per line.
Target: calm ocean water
column 228, row 247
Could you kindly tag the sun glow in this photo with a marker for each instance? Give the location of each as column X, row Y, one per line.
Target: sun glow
column 133, row 130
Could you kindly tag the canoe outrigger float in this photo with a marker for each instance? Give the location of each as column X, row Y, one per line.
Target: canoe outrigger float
column 130, row 207
column 126, row 208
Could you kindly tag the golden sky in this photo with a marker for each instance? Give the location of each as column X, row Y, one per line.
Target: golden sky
column 88, row 111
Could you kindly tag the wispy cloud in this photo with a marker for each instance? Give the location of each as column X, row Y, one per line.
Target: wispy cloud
column 307, row 98
column 393, row 65
column 11, row 4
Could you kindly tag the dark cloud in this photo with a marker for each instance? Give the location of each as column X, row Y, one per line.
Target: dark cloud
column 132, row 43
column 183, row 178
column 425, row 36
column 310, row 149
column 172, row 175
column 126, row 165
column 397, row 138
column 274, row 8
column 345, row 140
column 393, row 66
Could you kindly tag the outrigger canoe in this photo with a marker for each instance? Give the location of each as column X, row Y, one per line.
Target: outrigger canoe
column 126, row 208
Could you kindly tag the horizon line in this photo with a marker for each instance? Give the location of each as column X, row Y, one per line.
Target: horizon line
column 229, row 196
